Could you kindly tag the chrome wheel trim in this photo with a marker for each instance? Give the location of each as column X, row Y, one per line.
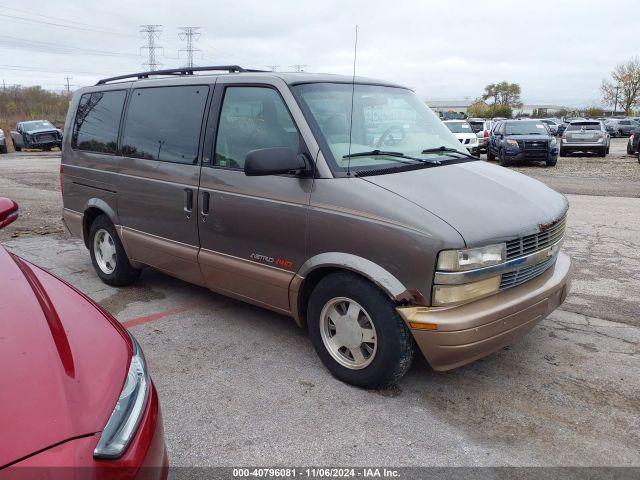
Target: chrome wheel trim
column 104, row 251
column 348, row 333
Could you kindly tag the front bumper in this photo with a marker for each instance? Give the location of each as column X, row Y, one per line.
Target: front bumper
column 520, row 156
column 450, row 337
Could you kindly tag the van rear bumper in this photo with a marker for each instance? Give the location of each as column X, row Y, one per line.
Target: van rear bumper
column 73, row 222
column 465, row 333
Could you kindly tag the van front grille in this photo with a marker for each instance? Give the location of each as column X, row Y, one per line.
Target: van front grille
column 512, row 279
column 532, row 243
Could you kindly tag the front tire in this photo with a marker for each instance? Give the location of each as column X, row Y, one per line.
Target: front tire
column 602, row 152
column 551, row 162
column 502, row 158
column 490, row 156
column 108, row 256
column 357, row 332
column 563, row 152
column 630, row 148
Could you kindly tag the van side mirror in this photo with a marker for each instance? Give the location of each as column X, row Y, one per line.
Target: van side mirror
column 8, row 211
column 273, row 161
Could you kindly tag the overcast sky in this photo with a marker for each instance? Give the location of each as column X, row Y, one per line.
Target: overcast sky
column 558, row 51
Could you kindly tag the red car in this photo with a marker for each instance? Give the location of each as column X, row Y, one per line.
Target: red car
column 74, row 386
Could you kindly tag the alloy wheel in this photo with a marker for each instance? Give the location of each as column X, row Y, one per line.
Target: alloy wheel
column 348, row 333
column 104, row 249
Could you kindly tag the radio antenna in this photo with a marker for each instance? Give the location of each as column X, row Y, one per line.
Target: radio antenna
column 353, row 92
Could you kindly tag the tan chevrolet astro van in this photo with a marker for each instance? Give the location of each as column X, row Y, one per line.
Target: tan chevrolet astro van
column 344, row 203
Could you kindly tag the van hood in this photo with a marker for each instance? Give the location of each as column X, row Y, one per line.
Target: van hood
column 63, row 362
column 485, row 203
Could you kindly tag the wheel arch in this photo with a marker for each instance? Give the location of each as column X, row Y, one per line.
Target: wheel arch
column 319, row 266
column 92, row 210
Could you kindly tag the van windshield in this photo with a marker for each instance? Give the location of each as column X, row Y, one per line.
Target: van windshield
column 384, row 118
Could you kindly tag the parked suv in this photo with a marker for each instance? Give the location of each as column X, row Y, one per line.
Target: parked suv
column 36, row 134
column 521, row 140
column 375, row 228
column 465, row 134
column 585, row 136
column 3, row 142
column 481, row 128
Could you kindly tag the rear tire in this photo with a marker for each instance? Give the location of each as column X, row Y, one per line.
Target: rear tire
column 3, row 149
column 630, row 148
column 551, row 162
column 16, row 148
column 108, row 256
column 362, row 312
column 563, row 152
column 602, row 152
column 490, row 156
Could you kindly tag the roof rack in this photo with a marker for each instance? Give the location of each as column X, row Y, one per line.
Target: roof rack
column 179, row 71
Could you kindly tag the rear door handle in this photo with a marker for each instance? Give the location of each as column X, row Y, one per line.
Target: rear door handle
column 206, row 196
column 188, row 201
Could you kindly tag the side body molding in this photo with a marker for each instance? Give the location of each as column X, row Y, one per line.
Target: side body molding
column 378, row 275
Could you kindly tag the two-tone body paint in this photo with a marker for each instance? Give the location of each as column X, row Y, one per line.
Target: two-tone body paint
column 387, row 228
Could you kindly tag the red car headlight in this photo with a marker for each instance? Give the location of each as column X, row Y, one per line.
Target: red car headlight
column 126, row 415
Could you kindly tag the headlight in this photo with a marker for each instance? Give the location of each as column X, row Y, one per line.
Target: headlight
column 449, row 294
column 128, row 411
column 470, row 258
column 513, row 143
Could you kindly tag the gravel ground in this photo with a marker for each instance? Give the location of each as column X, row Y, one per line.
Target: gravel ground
column 618, row 174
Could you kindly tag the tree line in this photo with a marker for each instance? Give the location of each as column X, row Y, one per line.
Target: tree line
column 31, row 103
column 620, row 91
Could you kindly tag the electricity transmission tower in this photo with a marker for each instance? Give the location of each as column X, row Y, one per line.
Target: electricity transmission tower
column 298, row 67
column 273, row 67
column 151, row 33
column 189, row 34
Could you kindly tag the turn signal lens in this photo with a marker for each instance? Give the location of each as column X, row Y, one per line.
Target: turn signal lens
column 452, row 294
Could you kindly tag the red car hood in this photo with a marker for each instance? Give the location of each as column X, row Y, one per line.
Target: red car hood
column 63, row 363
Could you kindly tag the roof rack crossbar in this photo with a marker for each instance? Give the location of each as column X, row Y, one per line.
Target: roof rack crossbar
column 179, row 71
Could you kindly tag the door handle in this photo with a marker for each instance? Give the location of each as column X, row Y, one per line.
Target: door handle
column 205, row 203
column 188, row 201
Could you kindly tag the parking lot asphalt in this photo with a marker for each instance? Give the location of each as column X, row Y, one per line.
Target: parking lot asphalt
column 243, row 386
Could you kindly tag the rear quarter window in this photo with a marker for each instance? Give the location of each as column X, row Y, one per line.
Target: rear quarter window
column 163, row 123
column 95, row 128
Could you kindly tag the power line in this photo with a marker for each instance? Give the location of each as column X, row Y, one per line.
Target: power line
column 189, row 34
column 51, row 47
column 151, row 33
column 72, row 27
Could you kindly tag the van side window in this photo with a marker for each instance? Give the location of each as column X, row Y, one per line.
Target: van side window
column 252, row 118
column 163, row 123
column 97, row 121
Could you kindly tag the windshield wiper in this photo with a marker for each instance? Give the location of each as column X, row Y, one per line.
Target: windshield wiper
column 384, row 153
column 444, row 149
